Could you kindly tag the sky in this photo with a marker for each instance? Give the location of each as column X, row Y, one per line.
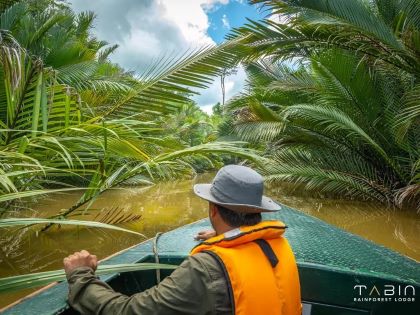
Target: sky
column 147, row 30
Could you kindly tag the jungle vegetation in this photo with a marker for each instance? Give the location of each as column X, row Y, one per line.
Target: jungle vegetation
column 332, row 100
column 72, row 120
column 334, row 93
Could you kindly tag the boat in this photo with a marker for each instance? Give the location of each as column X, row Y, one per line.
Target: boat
column 340, row 273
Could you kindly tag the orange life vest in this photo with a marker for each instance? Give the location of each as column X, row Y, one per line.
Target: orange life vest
column 260, row 268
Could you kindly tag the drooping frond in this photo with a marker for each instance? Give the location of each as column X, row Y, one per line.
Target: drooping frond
column 167, row 84
column 409, row 116
column 309, row 26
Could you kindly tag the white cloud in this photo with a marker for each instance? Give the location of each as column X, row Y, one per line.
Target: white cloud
column 208, row 109
column 146, row 30
column 225, row 22
column 189, row 16
column 211, row 5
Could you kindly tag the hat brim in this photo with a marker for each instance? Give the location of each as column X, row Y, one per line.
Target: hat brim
column 267, row 204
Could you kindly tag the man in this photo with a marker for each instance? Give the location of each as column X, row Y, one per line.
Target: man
column 244, row 266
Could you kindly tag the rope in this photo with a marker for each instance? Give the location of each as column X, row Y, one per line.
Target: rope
column 155, row 252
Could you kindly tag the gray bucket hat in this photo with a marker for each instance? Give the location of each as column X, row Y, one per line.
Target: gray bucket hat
column 238, row 188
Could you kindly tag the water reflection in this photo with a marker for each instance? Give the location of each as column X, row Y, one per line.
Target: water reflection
column 394, row 228
column 167, row 205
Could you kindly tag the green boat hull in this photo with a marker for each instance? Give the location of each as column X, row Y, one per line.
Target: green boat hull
column 340, row 273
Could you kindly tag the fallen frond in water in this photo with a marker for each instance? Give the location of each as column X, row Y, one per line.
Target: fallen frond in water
column 116, row 215
column 11, row 222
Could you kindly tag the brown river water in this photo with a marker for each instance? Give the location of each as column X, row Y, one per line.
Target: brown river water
column 165, row 206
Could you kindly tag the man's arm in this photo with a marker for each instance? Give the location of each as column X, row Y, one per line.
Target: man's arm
column 185, row 291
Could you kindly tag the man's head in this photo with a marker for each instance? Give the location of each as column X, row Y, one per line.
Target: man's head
column 222, row 218
column 236, row 197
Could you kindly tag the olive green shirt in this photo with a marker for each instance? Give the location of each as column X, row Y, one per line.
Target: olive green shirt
column 197, row 286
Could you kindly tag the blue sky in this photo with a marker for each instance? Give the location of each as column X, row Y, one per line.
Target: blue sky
column 233, row 14
column 146, row 30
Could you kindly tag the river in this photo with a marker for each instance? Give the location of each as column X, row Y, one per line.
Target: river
column 165, row 206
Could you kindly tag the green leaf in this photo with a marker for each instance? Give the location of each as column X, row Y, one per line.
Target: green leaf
column 32, row 280
column 12, row 222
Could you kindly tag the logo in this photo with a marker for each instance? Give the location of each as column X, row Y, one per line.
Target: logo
column 384, row 293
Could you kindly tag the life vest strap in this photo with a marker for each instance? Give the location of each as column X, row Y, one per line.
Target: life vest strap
column 268, row 252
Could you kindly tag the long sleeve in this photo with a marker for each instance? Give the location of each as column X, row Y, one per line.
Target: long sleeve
column 190, row 289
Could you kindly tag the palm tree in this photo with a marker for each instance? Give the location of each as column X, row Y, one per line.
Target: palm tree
column 190, row 124
column 335, row 96
column 69, row 118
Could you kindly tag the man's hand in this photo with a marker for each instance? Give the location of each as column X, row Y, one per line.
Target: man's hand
column 204, row 235
column 80, row 259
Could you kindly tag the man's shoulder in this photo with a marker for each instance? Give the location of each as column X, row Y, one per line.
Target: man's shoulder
column 217, row 283
column 206, row 262
column 203, row 258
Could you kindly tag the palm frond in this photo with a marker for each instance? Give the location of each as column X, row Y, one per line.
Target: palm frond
column 300, row 167
column 256, row 131
column 11, row 15
column 409, row 116
column 356, row 13
column 13, row 222
column 165, row 85
column 38, row 279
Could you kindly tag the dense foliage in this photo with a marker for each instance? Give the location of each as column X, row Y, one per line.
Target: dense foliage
column 332, row 98
column 71, row 119
column 334, row 92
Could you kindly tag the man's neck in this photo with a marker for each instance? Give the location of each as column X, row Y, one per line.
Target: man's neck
column 223, row 229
